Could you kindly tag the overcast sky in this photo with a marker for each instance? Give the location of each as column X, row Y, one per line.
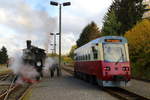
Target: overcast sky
column 21, row 20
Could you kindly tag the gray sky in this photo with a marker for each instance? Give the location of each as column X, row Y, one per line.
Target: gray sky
column 35, row 19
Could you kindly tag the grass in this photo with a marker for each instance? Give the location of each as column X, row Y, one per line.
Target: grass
column 4, row 69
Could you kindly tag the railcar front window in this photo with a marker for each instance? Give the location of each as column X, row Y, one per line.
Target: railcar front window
column 114, row 53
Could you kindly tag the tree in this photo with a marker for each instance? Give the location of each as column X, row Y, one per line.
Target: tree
column 3, row 55
column 127, row 13
column 71, row 53
column 67, row 59
column 111, row 26
column 90, row 32
column 139, row 47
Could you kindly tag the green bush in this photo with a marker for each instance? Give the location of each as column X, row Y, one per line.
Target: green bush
column 139, row 48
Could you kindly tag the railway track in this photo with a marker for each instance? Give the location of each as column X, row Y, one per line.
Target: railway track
column 118, row 92
column 14, row 92
column 124, row 94
column 11, row 91
column 5, row 76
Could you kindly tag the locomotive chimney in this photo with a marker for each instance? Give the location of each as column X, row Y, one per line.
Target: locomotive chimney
column 28, row 44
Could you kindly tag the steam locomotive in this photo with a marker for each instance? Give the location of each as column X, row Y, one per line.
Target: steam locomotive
column 34, row 56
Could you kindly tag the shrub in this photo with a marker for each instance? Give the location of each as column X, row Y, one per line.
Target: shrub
column 139, row 47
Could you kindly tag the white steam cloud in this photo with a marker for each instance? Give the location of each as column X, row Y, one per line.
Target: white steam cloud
column 22, row 70
column 50, row 61
column 27, row 71
column 26, row 23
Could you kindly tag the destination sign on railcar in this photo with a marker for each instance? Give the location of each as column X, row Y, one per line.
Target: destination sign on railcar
column 112, row 40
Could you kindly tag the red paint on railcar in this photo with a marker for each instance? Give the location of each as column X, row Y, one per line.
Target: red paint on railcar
column 98, row 69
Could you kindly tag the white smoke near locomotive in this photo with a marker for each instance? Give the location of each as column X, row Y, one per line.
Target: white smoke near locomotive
column 34, row 56
column 29, row 65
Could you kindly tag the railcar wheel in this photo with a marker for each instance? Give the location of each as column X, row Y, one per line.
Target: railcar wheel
column 91, row 79
column 75, row 74
column 99, row 84
column 94, row 80
column 87, row 77
column 80, row 75
column 84, row 77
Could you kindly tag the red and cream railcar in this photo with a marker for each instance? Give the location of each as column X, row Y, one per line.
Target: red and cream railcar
column 105, row 59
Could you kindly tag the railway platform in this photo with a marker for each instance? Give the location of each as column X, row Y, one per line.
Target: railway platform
column 67, row 88
column 139, row 87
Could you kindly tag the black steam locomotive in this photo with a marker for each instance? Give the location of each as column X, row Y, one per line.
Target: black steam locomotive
column 34, row 56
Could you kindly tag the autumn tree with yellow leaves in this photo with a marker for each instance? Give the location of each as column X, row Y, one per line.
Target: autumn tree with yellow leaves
column 139, row 48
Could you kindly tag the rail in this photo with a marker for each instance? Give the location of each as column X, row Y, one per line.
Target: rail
column 13, row 91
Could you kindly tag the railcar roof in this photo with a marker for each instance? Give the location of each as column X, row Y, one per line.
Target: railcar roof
column 101, row 39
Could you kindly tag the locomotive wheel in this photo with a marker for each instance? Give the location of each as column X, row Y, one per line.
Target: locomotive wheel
column 38, row 78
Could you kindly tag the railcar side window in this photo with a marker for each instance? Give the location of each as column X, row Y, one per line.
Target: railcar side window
column 95, row 52
column 86, row 57
column 83, row 57
column 89, row 57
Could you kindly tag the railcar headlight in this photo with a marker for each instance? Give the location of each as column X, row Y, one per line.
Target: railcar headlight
column 125, row 68
column 107, row 68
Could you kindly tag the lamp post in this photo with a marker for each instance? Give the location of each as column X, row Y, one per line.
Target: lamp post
column 54, row 42
column 60, row 6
